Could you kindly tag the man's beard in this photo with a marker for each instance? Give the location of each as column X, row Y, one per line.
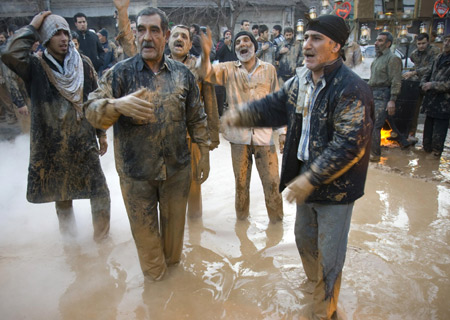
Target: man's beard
column 247, row 56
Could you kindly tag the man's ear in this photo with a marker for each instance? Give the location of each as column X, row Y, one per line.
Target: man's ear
column 336, row 48
column 167, row 36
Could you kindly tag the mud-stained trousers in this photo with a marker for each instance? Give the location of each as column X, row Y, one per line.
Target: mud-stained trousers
column 434, row 134
column 101, row 213
column 195, row 208
column 267, row 164
column 321, row 234
column 381, row 98
column 158, row 244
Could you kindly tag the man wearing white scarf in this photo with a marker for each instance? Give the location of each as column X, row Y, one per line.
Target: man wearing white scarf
column 64, row 154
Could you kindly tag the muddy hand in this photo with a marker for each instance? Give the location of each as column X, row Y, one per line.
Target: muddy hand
column 282, row 140
column 230, row 118
column 299, row 189
column 203, row 165
column 135, row 107
column 103, row 141
column 121, row 4
column 207, row 42
column 39, row 18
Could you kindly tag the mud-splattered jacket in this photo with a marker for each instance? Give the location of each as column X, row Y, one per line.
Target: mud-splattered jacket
column 436, row 102
column 386, row 71
column 64, row 160
column 150, row 150
column 267, row 55
column 423, row 60
column 289, row 61
column 341, row 126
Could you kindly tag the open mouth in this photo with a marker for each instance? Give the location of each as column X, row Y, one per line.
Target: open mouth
column 243, row 51
column 179, row 45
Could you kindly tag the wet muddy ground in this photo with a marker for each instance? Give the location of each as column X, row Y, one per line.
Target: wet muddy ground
column 397, row 267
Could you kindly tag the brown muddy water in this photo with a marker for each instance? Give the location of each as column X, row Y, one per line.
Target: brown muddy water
column 397, row 263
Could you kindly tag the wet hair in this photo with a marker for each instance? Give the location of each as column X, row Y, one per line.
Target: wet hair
column 255, row 26
column 262, row 28
column 388, row 35
column 278, row 28
column 288, row 30
column 150, row 11
column 79, row 15
column 422, row 36
column 244, row 21
column 182, row 26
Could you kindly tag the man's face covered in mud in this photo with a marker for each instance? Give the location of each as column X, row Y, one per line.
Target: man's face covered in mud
column 244, row 48
column 151, row 37
column 180, row 41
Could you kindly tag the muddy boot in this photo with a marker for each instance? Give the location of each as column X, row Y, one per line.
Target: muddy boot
column 101, row 213
column 66, row 218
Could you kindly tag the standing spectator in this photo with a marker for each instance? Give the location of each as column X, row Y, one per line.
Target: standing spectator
column 245, row 25
column 6, row 105
column 289, row 56
column 64, row 157
column 328, row 110
column 196, row 48
column 266, row 49
column 277, row 35
column 436, row 103
column 422, row 57
column 255, row 31
column 385, row 81
column 151, row 151
column 246, row 80
column 89, row 43
column 224, row 52
column 110, row 50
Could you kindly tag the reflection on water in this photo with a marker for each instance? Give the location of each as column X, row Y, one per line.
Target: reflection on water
column 397, row 264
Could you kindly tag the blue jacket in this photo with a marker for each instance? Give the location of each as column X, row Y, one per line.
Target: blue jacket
column 341, row 127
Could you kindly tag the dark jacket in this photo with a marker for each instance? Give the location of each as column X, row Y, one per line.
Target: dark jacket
column 436, row 102
column 289, row 61
column 90, row 46
column 223, row 53
column 339, row 142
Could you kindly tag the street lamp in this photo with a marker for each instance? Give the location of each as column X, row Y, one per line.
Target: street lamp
column 423, row 28
column 325, row 7
column 364, row 38
column 403, row 34
column 312, row 13
column 300, row 28
column 440, row 32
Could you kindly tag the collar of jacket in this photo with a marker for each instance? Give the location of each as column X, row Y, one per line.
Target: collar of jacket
column 166, row 63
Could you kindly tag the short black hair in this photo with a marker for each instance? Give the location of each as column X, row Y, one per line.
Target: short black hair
column 388, row 35
column 278, row 27
column 243, row 21
column 79, row 15
column 12, row 28
column 196, row 28
column 422, row 36
column 255, row 26
column 262, row 28
column 288, row 30
column 150, row 11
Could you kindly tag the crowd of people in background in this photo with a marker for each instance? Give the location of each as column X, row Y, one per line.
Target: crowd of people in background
column 163, row 88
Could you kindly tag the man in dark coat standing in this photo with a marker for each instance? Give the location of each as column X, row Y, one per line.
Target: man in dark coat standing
column 328, row 111
column 89, row 43
column 436, row 103
column 64, row 156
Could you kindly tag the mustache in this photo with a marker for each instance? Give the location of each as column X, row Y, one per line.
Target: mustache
column 176, row 43
column 146, row 44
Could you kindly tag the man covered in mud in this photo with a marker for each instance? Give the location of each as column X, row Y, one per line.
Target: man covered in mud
column 180, row 42
column 436, row 103
column 153, row 102
column 64, row 157
column 245, row 80
column 328, row 110
column 386, row 82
